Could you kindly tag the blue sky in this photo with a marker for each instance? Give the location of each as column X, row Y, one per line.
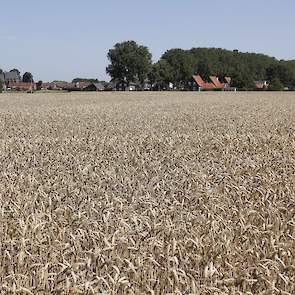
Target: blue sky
column 63, row 39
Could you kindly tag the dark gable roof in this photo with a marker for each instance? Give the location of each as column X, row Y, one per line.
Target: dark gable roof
column 99, row 85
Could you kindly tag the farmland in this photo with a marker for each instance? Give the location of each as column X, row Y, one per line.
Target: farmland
column 147, row 193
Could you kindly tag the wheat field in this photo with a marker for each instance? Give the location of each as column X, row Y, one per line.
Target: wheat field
column 147, row 193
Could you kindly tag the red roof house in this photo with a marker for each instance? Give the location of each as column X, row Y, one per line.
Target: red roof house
column 215, row 81
column 201, row 84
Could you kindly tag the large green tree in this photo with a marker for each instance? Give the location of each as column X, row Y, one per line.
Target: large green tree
column 39, row 85
column 161, row 75
column 276, row 85
column 28, row 77
column 178, row 65
column 17, row 71
column 89, row 80
column 280, row 71
column 244, row 68
column 243, row 81
column 129, row 62
column 182, row 64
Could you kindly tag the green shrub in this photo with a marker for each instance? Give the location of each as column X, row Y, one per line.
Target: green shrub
column 276, row 85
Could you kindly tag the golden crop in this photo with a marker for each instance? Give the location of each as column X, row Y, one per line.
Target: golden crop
column 147, row 193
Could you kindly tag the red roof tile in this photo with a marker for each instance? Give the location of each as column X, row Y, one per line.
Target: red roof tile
column 198, row 79
column 201, row 83
column 216, row 82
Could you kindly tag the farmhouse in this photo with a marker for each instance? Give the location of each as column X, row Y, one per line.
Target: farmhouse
column 200, row 84
column 121, row 85
column 261, row 85
column 64, row 86
column 215, row 83
column 47, row 86
column 21, row 86
column 133, row 86
column 82, row 84
column 94, row 87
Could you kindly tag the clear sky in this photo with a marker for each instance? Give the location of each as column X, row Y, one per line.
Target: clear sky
column 63, row 39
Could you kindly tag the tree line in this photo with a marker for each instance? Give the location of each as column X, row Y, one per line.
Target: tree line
column 132, row 62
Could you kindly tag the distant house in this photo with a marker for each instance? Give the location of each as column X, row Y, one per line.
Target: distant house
column 82, row 84
column 21, row 86
column 67, row 86
column 200, row 84
column 94, row 87
column 261, row 85
column 133, row 86
column 122, row 85
column 47, row 86
column 227, row 81
column 117, row 85
column 58, row 86
column 215, row 83
column 79, row 86
column 147, row 85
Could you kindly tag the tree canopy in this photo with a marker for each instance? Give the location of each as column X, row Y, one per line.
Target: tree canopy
column 161, row 74
column 15, row 70
column 276, row 85
column 129, row 62
column 91, row 80
column 244, row 68
column 28, row 77
column 18, row 73
column 181, row 63
column 39, row 85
